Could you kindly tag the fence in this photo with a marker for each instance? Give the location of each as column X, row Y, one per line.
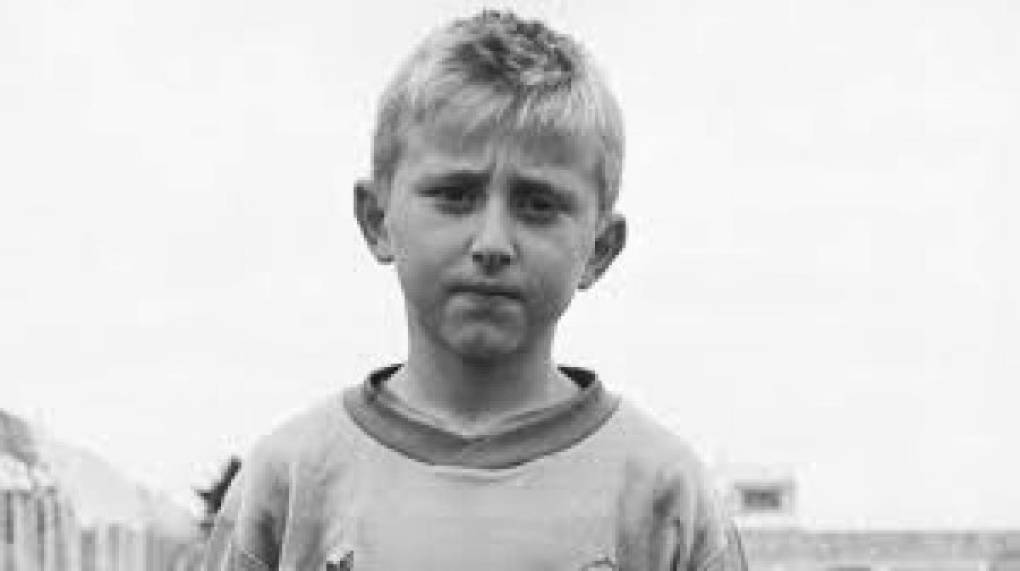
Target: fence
column 40, row 533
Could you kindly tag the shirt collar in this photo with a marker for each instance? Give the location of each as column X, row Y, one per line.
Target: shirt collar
column 523, row 438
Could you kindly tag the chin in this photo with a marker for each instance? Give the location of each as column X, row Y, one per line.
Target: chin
column 482, row 344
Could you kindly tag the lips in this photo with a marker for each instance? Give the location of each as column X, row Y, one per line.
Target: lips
column 488, row 289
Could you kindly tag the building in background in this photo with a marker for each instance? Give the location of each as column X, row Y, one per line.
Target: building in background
column 763, row 501
column 65, row 509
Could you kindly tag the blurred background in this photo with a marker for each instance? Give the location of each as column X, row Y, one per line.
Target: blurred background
column 821, row 277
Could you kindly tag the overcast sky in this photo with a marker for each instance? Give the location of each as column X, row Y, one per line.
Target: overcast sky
column 821, row 272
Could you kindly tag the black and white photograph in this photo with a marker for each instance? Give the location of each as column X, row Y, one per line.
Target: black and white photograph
column 455, row 285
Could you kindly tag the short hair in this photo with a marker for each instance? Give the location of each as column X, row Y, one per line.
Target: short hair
column 510, row 73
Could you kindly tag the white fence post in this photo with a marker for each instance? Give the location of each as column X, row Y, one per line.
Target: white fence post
column 20, row 542
column 48, row 518
column 32, row 532
column 88, row 555
column 127, row 549
column 5, row 530
column 63, row 532
column 100, row 549
column 35, row 531
column 116, row 547
column 40, row 531
column 72, row 538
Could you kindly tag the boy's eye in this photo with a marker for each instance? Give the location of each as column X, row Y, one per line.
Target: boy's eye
column 538, row 206
column 453, row 197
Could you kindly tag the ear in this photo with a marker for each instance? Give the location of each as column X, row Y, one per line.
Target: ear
column 609, row 243
column 370, row 212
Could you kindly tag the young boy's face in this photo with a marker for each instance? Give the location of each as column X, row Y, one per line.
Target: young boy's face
column 493, row 232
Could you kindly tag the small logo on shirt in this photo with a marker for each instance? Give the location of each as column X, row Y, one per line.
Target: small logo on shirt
column 341, row 561
column 600, row 564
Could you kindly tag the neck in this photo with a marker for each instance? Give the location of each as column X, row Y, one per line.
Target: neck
column 473, row 395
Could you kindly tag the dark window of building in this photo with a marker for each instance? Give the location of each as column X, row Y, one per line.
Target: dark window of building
column 761, row 499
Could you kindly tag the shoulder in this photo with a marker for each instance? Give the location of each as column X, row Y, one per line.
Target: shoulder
column 651, row 444
column 302, row 434
column 661, row 465
column 295, row 445
column 253, row 518
column 664, row 471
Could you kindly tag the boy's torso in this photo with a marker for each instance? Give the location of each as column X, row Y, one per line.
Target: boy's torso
column 342, row 488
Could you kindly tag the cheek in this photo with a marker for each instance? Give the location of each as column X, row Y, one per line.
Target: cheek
column 560, row 279
column 410, row 245
column 396, row 230
column 420, row 262
column 414, row 229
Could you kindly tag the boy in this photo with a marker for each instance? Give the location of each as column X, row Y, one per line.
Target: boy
column 496, row 165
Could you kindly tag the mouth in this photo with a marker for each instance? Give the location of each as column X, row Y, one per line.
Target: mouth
column 493, row 290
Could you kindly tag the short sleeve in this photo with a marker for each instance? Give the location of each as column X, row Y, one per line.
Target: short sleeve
column 247, row 531
column 224, row 554
column 725, row 555
column 717, row 545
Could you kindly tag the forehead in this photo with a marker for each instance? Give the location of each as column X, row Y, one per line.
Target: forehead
column 451, row 142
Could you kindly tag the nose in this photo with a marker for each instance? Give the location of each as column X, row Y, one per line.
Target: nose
column 492, row 245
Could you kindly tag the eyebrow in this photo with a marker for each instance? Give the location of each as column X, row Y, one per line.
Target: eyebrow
column 530, row 184
column 457, row 177
column 540, row 187
column 467, row 177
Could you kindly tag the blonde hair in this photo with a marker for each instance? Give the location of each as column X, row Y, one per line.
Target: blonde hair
column 509, row 73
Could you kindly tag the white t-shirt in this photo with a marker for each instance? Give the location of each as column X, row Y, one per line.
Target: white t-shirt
column 362, row 483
